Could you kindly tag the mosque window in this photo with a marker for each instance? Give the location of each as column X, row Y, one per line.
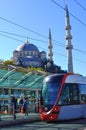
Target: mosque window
column 36, row 54
column 25, row 52
column 31, row 53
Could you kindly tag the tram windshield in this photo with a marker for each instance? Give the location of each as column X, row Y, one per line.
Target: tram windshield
column 49, row 93
column 50, row 89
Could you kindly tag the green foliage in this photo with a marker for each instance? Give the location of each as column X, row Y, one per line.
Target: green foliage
column 35, row 69
column 8, row 62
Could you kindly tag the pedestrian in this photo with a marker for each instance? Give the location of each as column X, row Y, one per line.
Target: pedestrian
column 21, row 103
column 26, row 106
column 13, row 106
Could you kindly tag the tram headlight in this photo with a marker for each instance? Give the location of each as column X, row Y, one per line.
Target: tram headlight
column 46, row 109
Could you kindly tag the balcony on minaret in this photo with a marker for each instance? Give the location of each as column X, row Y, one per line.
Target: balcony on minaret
column 50, row 46
column 69, row 46
column 68, row 27
column 50, row 54
column 68, row 37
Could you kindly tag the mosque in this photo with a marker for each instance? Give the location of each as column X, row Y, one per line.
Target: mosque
column 28, row 55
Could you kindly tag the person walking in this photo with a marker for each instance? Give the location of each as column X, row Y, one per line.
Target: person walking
column 26, row 106
column 12, row 102
column 13, row 106
column 21, row 104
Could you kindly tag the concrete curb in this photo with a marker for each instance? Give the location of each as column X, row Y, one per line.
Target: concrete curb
column 16, row 122
column 30, row 119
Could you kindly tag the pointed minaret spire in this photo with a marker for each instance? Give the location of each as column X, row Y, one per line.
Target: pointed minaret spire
column 69, row 46
column 67, row 13
column 50, row 53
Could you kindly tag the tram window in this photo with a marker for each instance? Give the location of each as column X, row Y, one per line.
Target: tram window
column 82, row 89
column 69, row 94
column 74, row 94
column 64, row 98
column 45, row 94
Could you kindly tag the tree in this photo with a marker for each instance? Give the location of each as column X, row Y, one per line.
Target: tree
column 8, row 62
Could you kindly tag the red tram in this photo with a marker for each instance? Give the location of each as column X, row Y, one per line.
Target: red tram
column 63, row 97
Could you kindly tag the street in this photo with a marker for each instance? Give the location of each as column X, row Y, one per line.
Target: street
column 64, row 125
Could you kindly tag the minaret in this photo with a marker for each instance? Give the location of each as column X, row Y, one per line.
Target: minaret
column 50, row 53
column 69, row 46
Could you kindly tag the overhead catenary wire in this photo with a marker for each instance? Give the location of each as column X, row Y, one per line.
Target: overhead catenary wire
column 81, row 51
column 84, row 24
column 35, row 39
column 11, row 37
column 39, row 33
column 12, row 34
column 45, row 49
column 57, row 43
column 25, row 28
column 80, row 5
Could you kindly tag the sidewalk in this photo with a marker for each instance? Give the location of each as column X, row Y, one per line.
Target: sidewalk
column 20, row 118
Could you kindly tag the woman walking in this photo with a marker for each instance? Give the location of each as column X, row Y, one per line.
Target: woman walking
column 26, row 106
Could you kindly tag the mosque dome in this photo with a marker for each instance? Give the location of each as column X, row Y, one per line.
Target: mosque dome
column 27, row 47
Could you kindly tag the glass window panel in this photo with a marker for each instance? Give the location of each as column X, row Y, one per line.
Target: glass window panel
column 69, row 94
column 64, row 98
column 49, row 93
column 82, row 89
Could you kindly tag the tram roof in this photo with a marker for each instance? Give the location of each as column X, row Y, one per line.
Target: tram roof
column 19, row 80
column 75, row 79
column 70, row 78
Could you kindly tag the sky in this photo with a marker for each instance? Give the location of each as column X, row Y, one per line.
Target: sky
column 20, row 19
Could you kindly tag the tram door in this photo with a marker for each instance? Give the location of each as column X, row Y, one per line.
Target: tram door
column 69, row 102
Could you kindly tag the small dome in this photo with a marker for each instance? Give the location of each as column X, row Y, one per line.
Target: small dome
column 27, row 47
